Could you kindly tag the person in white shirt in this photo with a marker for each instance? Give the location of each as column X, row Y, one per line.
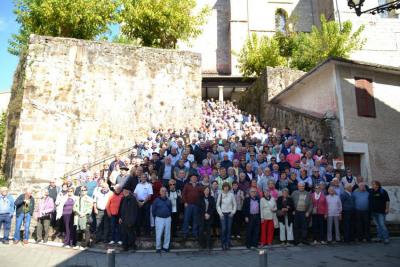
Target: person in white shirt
column 143, row 193
column 100, row 198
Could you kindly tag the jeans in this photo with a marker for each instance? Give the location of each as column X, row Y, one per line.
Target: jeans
column 43, row 224
column 191, row 214
column 5, row 219
column 19, row 221
column 226, row 224
column 115, row 228
column 163, row 225
column 379, row 219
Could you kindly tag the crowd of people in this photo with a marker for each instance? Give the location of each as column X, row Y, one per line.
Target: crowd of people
column 230, row 178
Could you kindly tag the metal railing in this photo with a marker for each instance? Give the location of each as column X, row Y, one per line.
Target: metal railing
column 99, row 161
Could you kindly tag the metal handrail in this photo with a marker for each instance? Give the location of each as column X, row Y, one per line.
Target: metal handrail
column 98, row 162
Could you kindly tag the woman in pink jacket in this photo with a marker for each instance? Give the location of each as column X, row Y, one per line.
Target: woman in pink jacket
column 319, row 214
column 43, row 214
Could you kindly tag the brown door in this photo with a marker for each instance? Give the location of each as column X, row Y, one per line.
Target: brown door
column 353, row 161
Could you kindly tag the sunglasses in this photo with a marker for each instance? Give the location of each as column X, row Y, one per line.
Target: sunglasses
column 171, row 184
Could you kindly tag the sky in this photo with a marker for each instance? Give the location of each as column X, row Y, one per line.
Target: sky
column 8, row 62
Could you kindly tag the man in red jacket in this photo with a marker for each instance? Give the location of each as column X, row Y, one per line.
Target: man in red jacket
column 112, row 208
column 191, row 196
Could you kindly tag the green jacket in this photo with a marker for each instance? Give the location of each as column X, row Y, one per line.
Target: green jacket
column 82, row 210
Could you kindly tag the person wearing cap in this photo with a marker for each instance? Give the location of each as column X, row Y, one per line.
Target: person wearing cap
column 112, row 208
column 143, row 193
column 83, row 207
column 191, row 194
column 24, row 208
column 43, row 215
column 6, row 212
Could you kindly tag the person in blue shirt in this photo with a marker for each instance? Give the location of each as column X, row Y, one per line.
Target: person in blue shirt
column 162, row 210
column 6, row 212
column 361, row 205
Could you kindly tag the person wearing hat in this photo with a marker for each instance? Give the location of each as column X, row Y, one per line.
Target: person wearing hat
column 122, row 177
column 6, row 212
column 191, row 194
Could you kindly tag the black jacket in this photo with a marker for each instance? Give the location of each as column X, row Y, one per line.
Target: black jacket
column 128, row 210
column 210, row 210
column 131, row 183
column 19, row 205
column 246, row 206
column 289, row 206
column 161, row 171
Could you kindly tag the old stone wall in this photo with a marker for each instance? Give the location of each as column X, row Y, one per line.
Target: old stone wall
column 75, row 101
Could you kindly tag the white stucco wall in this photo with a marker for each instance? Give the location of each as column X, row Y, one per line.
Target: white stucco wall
column 315, row 94
column 378, row 133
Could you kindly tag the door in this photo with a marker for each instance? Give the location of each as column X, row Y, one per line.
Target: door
column 353, row 162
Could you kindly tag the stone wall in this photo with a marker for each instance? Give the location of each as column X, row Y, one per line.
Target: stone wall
column 75, row 101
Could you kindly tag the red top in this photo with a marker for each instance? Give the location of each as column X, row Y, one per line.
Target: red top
column 113, row 203
column 156, row 190
column 320, row 205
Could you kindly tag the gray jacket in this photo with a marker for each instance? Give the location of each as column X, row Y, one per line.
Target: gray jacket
column 308, row 203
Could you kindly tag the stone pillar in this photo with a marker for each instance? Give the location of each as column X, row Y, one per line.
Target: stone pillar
column 221, row 93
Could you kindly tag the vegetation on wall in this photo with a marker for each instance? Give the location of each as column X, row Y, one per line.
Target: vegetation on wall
column 300, row 50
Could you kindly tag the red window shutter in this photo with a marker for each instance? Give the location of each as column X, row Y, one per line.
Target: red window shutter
column 365, row 97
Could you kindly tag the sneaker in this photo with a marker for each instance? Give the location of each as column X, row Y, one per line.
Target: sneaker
column 6, row 242
column 165, row 250
column 67, row 246
column 111, row 243
column 323, row 243
column 119, row 243
column 238, row 236
column 315, row 242
column 82, row 248
column 76, row 247
column 158, row 250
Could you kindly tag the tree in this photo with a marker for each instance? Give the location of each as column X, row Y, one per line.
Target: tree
column 161, row 23
column 321, row 43
column 82, row 19
column 258, row 53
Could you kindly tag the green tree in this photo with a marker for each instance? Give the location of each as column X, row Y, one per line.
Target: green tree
column 3, row 121
column 82, row 19
column 321, row 43
column 258, row 53
column 161, row 23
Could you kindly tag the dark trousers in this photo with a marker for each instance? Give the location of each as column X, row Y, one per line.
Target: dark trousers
column 205, row 233
column 102, row 226
column 363, row 225
column 128, row 236
column 43, row 225
column 84, row 236
column 300, row 227
column 174, row 223
column 318, row 227
column 115, row 228
column 237, row 223
column 143, row 220
column 253, row 230
column 69, row 238
column 348, row 220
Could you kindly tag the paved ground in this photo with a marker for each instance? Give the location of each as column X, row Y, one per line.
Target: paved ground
column 336, row 255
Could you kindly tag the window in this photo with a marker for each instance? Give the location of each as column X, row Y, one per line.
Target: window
column 281, row 20
column 365, row 97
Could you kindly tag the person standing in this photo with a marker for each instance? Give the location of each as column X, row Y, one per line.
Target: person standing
column 143, row 193
column 65, row 211
column 45, row 210
column 53, row 193
column 24, row 207
column 83, row 208
column 191, row 196
column 6, row 213
column 285, row 206
column 267, row 211
column 128, row 213
column 319, row 214
column 175, row 196
column 112, row 208
column 226, row 208
column 162, row 210
column 207, row 210
column 348, row 213
column 238, row 218
column 100, row 199
column 334, row 213
column 361, row 205
column 251, row 214
column 379, row 203
column 303, row 208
